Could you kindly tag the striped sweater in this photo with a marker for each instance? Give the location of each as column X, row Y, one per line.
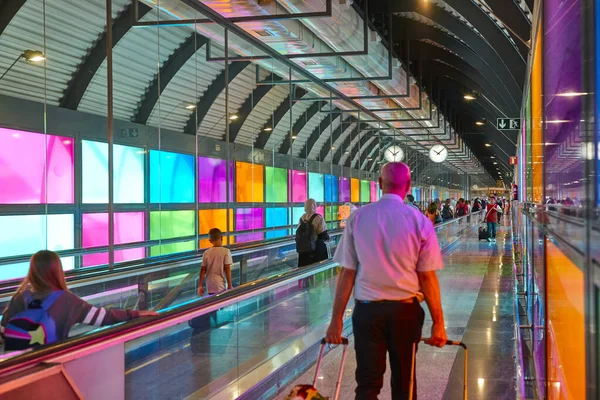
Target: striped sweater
column 69, row 310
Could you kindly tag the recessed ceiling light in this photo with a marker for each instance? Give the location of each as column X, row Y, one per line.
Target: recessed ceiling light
column 268, row 129
column 469, row 97
column 190, row 107
column 479, row 123
column 233, row 117
column 495, row 163
column 294, row 137
column 488, row 145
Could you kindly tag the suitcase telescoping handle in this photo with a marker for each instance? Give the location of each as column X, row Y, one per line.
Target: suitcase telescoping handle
column 338, row 384
column 448, row 343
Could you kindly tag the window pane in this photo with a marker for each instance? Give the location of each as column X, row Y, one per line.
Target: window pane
column 316, row 190
column 209, row 219
column 365, row 191
column 276, row 185
column 128, row 173
column 276, row 217
column 298, row 186
column 249, row 183
column 355, row 191
column 129, row 228
column 249, row 218
column 25, row 157
column 331, row 189
column 171, row 177
column 344, row 189
column 172, row 224
column 26, row 234
column 212, row 184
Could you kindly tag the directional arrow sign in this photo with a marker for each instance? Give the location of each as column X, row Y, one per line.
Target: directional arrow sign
column 507, row 124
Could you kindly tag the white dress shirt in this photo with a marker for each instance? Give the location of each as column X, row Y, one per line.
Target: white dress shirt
column 388, row 242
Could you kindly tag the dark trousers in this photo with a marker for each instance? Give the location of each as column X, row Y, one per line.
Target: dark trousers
column 491, row 226
column 381, row 328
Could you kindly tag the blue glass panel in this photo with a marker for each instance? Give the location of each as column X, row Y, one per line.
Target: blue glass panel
column 276, row 217
column 171, row 177
column 332, row 194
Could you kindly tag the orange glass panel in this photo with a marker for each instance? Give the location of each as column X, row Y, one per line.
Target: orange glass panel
column 566, row 327
column 354, row 190
column 537, row 145
column 209, row 219
column 249, row 182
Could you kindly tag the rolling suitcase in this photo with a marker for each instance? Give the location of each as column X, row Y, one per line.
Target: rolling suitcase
column 304, row 391
column 466, row 372
column 483, row 233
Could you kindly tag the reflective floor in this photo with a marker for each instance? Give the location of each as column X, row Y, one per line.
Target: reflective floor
column 476, row 290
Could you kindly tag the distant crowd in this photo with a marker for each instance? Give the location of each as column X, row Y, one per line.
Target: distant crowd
column 439, row 212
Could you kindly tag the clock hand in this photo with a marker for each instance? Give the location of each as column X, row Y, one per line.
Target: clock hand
column 438, row 153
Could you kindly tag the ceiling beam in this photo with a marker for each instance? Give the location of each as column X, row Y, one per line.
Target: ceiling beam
column 339, row 131
column 210, row 95
column 167, row 72
column 245, row 110
column 275, row 118
column 299, row 124
column 91, row 63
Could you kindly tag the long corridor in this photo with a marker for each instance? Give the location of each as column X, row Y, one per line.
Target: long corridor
column 476, row 287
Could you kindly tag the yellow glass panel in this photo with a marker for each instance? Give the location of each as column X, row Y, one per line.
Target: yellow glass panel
column 209, row 219
column 354, row 190
column 537, row 145
column 249, row 182
column 566, row 326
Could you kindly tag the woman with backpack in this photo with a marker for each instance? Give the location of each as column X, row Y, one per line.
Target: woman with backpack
column 447, row 212
column 311, row 236
column 43, row 310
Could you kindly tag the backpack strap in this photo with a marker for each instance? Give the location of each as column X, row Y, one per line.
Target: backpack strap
column 312, row 217
column 48, row 301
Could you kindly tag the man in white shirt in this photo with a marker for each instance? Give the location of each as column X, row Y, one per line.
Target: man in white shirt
column 389, row 255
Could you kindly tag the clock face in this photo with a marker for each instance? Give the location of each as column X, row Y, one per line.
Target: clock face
column 438, row 153
column 394, row 154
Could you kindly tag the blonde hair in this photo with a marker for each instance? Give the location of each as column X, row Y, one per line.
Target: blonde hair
column 45, row 273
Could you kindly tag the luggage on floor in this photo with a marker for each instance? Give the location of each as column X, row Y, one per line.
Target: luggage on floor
column 306, row 391
column 466, row 371
column 483, row 233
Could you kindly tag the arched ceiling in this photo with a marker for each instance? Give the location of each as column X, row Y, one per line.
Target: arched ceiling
column 454, row 47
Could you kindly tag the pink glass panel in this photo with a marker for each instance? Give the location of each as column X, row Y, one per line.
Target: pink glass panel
column 212, row 185
column 129, row 228
column 249, row 218
column 23, row 156
column 321, row 210
column 298, row 187
column 374, row 191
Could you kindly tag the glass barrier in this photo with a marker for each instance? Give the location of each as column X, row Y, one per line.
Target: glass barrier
column 226, row 344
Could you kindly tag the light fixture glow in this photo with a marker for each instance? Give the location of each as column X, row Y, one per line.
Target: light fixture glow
column 294, row 137
column 557, row 121
column 572, row 94
column 469, row 97
column 34, row 55
column 190, row 107
column 488, row 145
column 268, row 129
column 479, row 123
column 495, row 163
column 233, row 117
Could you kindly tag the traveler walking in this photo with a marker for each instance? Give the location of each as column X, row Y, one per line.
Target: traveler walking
column 491, row 218
column 389, row 255
column 311, row 236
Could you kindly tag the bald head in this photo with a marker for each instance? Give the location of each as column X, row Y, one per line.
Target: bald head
column 395, row 178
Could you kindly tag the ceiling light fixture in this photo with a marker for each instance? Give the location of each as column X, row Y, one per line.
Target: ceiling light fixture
column 572, row 94
column 488, row 145
column 190, row 107
column 469, row 97
column 479, row 123
column 31, row 56
column 294, row 137
column 233, row 117
column 268, row 129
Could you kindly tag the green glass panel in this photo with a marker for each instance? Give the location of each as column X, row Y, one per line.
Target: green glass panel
column 365, row 191
column 276, row 185
column 168, row 225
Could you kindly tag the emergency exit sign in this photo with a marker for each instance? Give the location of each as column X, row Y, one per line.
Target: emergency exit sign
column 513, row 160
column 507, row 124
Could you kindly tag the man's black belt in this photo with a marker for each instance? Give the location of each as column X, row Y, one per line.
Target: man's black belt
column 404, row 301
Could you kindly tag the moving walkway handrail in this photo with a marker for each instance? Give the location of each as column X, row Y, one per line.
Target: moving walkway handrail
column 98, row 275
column 103, row 338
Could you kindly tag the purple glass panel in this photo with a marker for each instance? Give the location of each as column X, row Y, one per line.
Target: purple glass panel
column 212, row 186
column 344, row 189
column 562, row 65
column 249, row 218
column 35, row 168
column 298, row 187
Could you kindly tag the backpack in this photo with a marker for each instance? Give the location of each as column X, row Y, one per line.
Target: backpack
column 305, row 237
column 34, row 326
column 461, row 210
column 446, row 212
